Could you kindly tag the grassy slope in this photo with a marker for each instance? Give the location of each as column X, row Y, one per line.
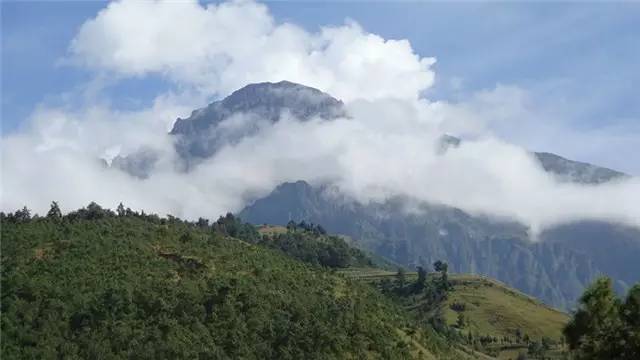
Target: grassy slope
column 493, row 308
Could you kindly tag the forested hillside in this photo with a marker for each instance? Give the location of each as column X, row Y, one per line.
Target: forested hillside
column 101, row 285
column 98, row 284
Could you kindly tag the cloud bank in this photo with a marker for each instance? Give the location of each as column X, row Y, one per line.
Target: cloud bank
column 389, row 146
column 220, row 48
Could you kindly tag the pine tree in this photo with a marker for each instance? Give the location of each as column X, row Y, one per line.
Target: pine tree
column 604, row 327
column 54, row 212
column 121, row 210
column 400, row 278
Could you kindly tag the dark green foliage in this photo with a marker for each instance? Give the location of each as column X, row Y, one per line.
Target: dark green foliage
column 458, row 306
column 54, row 213
column 442, row 268
column 97, row 285
column 233, row 226
column 604, row 327
column 304, row 226
column 22, row 215
column 461, row 321
column 400, row 280
column 93, row 211
column 312, row 246
column 421, row 280
column 121, row 211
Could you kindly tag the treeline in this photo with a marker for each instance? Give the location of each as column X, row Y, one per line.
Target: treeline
column 304, row 241
column 310, row 243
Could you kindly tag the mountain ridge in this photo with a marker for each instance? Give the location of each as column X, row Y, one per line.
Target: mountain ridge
column 555, row 270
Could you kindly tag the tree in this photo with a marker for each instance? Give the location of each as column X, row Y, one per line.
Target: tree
column 603, row 327
column 442, row 267
column 421, row 280
column 202, row 222
column 518, row 335
column 400, row 278
column 536, row 350
column 291, row 225
column 23, row 215
column 630, row 314
column 94, row 211
column 121, row 210
column 54, row 211
column 461, row 321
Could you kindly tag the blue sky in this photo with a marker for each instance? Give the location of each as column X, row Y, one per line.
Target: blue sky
column 578, row 62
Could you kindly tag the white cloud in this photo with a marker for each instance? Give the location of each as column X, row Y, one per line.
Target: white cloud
column 388, row 147
column 220, row 48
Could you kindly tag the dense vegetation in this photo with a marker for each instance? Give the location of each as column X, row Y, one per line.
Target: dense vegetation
column 311, row 244
column 103, row 285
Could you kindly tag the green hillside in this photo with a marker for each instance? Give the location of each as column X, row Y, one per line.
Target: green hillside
column 103, row 285
column 496, row 320
column 98, row 285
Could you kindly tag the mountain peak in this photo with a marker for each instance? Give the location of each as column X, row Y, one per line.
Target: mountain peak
column 198, row 136
column 302, row 101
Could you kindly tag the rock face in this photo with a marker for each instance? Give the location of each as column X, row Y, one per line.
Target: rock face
column 139, row 164
column 575, row 171
column 241, row 113
column 555, row 269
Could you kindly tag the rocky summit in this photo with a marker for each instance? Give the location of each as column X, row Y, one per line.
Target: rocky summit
column 202, row 133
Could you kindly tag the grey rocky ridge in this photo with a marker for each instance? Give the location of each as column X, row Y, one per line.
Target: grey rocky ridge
column 556, row 268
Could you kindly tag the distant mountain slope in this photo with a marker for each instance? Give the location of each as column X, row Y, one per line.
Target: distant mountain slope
column 555, row 270
column 575, row 171
column 613, row 249
column 563, row 169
